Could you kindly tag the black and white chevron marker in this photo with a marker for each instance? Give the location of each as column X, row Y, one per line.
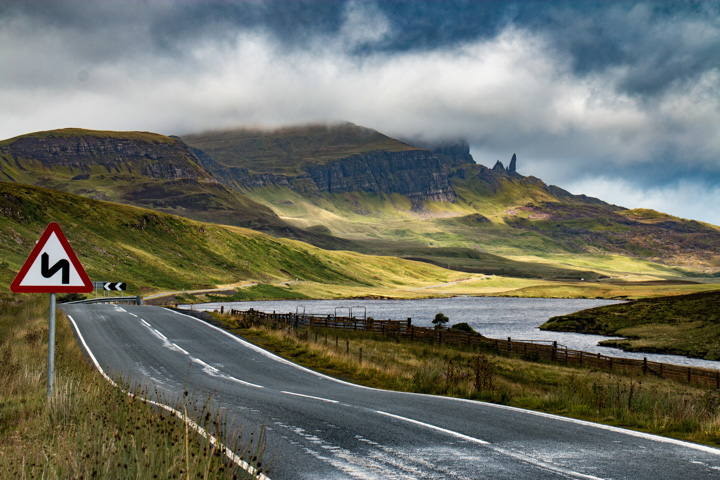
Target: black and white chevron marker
column 119, row 286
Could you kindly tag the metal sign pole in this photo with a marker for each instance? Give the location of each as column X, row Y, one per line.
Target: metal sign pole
column 51, row 348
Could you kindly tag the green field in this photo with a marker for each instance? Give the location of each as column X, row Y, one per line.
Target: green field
column 684, row 325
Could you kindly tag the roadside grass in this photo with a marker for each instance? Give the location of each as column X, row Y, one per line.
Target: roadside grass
column 642, row 403
column 90, row 428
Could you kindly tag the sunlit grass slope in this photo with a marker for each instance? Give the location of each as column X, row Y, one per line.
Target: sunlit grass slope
column 151, row 250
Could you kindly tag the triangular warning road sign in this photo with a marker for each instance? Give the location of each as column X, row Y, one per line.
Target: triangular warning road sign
column 52, row 267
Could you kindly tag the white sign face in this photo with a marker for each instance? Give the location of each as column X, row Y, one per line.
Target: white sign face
column 52, row 267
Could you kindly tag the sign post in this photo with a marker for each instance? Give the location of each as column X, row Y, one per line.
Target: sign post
column 52, row 267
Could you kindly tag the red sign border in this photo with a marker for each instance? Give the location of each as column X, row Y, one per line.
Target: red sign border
column 52, row 228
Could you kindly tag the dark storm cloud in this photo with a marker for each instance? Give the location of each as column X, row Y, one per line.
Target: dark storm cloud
column 585, row 92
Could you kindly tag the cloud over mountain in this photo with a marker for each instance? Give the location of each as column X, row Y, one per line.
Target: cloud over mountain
column 581, row 92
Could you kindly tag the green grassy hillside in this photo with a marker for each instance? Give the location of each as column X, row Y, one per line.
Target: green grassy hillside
column 497, row 222
column 684, row 325
column 135, row 168
column 151, row 250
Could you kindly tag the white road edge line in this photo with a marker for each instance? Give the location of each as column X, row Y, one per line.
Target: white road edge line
column 146, row 323
column 268, row 354
column 200, row 430
column 310, row 396
column 207, row 368
column 610, row 428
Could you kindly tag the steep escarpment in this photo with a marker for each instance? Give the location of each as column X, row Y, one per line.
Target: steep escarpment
column 326, row 159
column 85, row 151
column 135, row 168
column 452, row 153
column 418, row 174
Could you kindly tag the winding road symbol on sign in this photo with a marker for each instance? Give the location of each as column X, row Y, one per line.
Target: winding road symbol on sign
column 47, row 271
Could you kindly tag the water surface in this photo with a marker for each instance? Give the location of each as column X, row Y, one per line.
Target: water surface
column 494, row 317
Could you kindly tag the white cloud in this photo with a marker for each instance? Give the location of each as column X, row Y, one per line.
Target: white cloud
column 513, row 92
column 364, row 24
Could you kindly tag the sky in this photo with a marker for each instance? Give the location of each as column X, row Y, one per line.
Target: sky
column 617, row 100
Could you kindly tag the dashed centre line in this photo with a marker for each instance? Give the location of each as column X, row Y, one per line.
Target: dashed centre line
column 310, row 396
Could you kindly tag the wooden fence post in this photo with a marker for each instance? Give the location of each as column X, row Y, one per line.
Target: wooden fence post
column 553, row 354
column 645, row 367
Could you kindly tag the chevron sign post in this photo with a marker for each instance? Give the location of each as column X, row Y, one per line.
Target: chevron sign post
column 118, row 286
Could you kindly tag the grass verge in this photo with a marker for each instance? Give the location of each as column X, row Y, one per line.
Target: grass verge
column 642, row 403
column 91, row 429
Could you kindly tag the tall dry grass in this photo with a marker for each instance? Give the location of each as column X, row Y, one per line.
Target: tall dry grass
column 92, row 429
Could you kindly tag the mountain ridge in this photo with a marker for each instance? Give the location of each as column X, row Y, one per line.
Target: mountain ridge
column 352, row 188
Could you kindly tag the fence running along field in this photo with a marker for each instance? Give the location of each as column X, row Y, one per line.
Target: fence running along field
column 535, row 350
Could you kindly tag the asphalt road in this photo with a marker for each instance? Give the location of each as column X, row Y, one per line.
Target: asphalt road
column 320, row 428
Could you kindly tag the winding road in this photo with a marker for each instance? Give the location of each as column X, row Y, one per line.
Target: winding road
column 318, row 427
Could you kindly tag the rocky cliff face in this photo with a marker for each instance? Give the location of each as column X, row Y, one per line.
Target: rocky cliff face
column 419, row 174
column 451, row 153
column 165, row 158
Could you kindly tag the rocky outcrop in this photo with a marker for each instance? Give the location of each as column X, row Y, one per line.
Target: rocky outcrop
column 157, row 157
column 511, row 169
column 418, row 174
column 451, row 153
